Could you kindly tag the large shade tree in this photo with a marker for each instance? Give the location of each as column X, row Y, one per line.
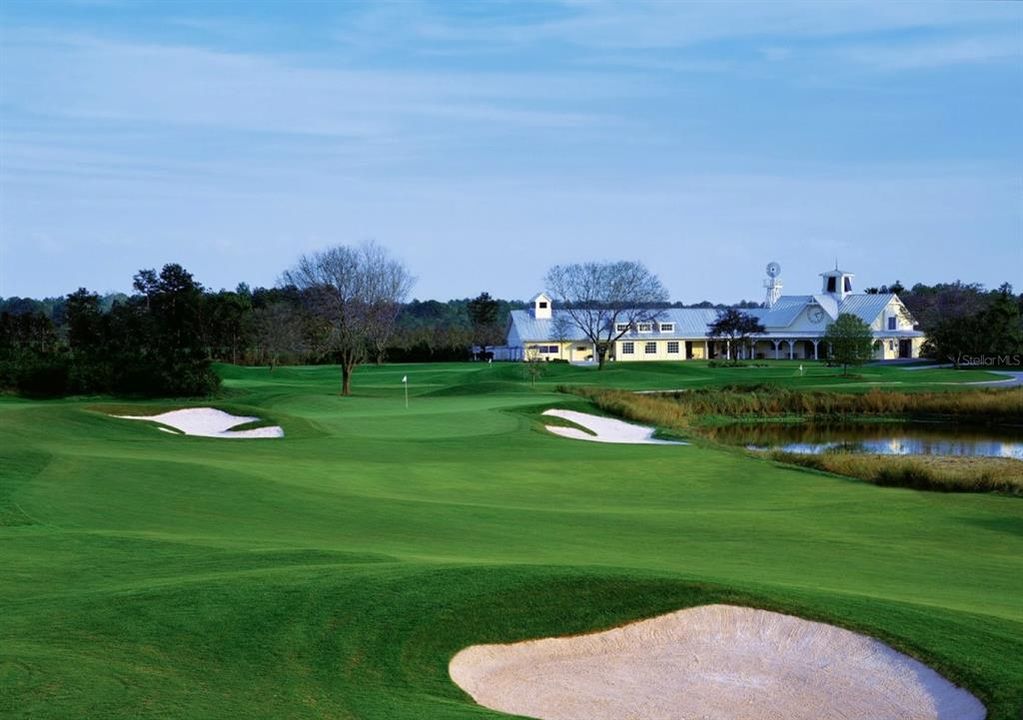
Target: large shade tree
column 356, row 292
column 606, row 300
column 850, row 341
column 737, row 327
column 485, row 315
column 158, row 336
column 992, row 333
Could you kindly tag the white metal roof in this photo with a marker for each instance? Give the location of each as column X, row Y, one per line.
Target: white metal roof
column 694, row 322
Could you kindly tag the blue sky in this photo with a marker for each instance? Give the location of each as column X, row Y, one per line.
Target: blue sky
column 482, row 142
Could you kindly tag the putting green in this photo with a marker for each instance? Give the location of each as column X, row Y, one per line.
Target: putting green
column 334, row 572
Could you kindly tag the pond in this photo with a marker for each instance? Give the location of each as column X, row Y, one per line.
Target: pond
column 876, row 438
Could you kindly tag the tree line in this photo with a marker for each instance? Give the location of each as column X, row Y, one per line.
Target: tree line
column 966, row 323
column 162, row 339
column 349, row 305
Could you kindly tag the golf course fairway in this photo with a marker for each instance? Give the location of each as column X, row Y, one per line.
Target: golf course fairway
column 334, row 572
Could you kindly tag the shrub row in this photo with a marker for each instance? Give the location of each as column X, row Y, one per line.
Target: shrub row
column 57, row 375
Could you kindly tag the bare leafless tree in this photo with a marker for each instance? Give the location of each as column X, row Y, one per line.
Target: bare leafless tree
column 389, row 284
column 606, row 300
column 279, row 330
column 534, row 365
column 561, row 330
column 358, row 292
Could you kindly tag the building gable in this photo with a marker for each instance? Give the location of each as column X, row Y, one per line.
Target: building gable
column 790, row 316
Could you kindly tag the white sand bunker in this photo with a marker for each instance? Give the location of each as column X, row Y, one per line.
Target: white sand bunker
column 209, row 422
column 716, row 662
column 608, row 430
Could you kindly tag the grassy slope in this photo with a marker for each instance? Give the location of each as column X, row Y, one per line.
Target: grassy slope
column 334, row 573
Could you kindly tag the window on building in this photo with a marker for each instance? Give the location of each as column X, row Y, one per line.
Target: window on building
column 543, row 305
column 650, row 348
column 549, row 349
column 673, row 347
column 891, row 323
column 621, row 327
column 847, row 284
column 891, row 344
column 645, row 327
column 628, row 348
column 581, row 348
column 667, row 327
column 831, row 284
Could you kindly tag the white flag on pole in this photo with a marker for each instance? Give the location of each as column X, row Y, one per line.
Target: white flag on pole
column 404, row 379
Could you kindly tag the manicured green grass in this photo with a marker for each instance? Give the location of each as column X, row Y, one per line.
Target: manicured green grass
column 782, row 373
column 333, row 573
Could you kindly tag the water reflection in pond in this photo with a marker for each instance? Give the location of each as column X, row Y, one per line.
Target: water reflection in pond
column 878, row 438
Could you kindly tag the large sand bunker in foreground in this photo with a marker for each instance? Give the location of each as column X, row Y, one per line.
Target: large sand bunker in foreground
column 716, row 662
column 209, row 422
column 607, row 430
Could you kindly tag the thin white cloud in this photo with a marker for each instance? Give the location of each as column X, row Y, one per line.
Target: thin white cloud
column 580, row 131
column 644, row 34
column 86, row 77
column 775, row 53
column 937, row 53
column 609, row 24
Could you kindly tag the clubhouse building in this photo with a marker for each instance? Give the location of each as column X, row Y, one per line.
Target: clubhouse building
column 794, row 328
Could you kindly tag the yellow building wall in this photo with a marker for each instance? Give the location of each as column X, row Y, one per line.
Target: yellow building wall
column 639, row 353
column 579, row 351
column 889, row 349
column 571, row 351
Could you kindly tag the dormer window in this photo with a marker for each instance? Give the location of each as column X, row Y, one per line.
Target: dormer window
column 621, row 327
column 667, row 327
column 542, row 307
column 645, row 327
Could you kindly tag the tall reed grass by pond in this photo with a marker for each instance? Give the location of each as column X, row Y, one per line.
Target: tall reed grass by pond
column 681, row 409
column 951, row 474
column 931, row 472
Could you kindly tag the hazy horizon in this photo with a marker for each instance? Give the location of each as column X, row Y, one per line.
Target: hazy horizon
column 483, row 143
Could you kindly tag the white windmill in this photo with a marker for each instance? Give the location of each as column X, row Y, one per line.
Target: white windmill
column 772, row 284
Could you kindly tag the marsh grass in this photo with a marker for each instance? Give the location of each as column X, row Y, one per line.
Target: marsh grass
column 941, row 473
column 982, row 405
column 680, row 409
column 649, row 409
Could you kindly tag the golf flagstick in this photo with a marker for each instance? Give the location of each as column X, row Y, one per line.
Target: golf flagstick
column 404, row 381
